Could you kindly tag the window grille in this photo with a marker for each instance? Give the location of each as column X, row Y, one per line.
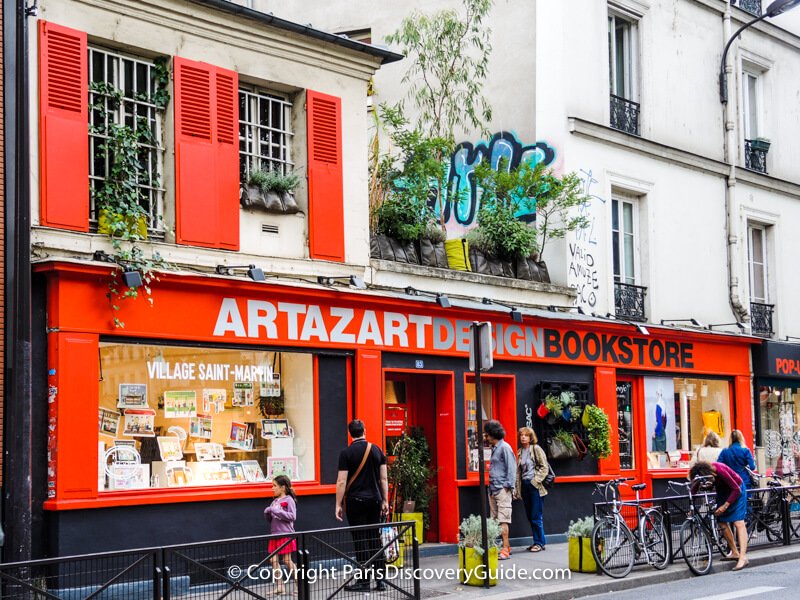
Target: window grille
column 265, row 134
column 136, row 80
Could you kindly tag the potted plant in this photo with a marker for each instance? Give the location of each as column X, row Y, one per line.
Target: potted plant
column 410, row 474
column 579, row 544
column 598, row 430
column 554, row 407
column 432, row 252
column 471, row 552
column 483, row 254
column 761, row 144
column 271, row 191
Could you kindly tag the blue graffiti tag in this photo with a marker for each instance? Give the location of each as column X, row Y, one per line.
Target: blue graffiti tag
column 462, row 200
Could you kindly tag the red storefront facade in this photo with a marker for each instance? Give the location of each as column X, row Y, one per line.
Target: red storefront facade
column 386, row 360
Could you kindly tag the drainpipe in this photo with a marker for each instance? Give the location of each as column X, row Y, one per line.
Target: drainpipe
column 730, row 147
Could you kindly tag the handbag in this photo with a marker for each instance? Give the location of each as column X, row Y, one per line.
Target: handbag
column 558, row 450
column 550, row 478
column 580, row 446
column 390, row 544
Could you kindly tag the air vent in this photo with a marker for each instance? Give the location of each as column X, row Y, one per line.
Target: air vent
column 269, row 228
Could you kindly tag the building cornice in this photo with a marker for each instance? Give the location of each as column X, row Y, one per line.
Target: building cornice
column 741, row 17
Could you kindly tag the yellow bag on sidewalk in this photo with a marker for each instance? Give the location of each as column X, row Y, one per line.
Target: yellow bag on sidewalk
column 580, row 555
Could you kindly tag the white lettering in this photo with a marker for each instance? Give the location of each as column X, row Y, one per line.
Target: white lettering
column 261, row 314
column 345, row 315
column 314, row 325
column 394, row 326
column 370, row 330
column 229, row 319
column 291, row 310
column 420, row 323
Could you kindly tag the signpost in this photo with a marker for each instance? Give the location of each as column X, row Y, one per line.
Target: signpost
column 480, row 359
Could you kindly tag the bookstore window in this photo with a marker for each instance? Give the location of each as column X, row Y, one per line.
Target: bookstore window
column 475, row 437
column 175, row 416
column 679, row 414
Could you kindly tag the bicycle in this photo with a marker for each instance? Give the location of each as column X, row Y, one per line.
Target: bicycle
column 699, row 532
column 765, row 514
column 615, row 547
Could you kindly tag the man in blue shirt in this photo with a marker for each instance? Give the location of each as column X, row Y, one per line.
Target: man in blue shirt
column 502, row 479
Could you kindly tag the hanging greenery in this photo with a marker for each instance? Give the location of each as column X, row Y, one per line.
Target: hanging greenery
column 599, row 431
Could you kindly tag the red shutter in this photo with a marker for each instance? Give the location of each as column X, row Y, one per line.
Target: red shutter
column 206, row 155
column 325, row 191
column 63, row 128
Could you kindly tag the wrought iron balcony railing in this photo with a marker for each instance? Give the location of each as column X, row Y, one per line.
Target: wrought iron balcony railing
column 761, row 319
column 629, row 301
column 755, row 155
column 751, row 6
column 624, row 115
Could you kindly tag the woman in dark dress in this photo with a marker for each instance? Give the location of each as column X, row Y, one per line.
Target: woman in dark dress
column 731, row 505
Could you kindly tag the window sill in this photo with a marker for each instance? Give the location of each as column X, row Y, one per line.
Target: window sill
column 187, row 494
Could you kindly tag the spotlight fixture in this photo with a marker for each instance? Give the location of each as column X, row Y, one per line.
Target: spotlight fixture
column 101, row 256
column 738, row 324
column 353, row 280
column 131, row 278
column 693, row 321
column 253, row 272
column 580, row 310
column 790, row 338
column 552, row 308
column 639, row 327
column 516, row 316
column 441, row 299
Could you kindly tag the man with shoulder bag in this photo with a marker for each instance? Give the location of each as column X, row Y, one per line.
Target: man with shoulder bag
column 362, row 492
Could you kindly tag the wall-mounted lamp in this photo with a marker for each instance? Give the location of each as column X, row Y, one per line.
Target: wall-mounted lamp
column 353, row 280
column 253, row 272
column 693, row 321
column 130, row 277
column 639, row 327
column 515, row 314
column 441, row 299
column 789, row 338
column 738, row 324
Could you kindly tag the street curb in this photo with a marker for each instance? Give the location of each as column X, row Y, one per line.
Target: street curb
column 435, row 549
column 608, row 585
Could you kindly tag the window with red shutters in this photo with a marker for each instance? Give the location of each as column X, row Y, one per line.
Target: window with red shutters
column 63, row 128
column 206, row 155
column 325, row 185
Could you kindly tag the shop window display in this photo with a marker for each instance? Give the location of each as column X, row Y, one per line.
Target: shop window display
column 172, row 416
column 679, row 413
column 780, row 429
column 474, row 437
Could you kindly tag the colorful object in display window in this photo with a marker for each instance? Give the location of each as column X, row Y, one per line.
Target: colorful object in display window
column 275, row 428
column 285, row 465
column 252, row 471
column 180, row 404
column 236, row 470
column 169, row 446
column 139, row 422
column 243, row 394
column 179, row 476
column 109, row 422
column 660, row 431
column 239, row 436
column 132, row 395
column 200, row 426
column 214, row 399
column 713, row 421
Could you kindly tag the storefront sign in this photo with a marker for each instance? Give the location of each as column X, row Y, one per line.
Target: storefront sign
column 395, row 420
column 283, row 321
column 777, row 359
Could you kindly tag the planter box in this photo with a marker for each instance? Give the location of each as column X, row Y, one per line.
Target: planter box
column 761, row 145
column 418, row 519
column 104, row 224
column 581, row 558
column 471, row 567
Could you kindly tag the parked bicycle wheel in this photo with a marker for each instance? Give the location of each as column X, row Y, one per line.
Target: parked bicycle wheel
column 695, row 547
column 654, row 539
column 613, row 547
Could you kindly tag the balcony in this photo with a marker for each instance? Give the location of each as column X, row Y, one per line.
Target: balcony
column 755, row 155
column 624, row 115
column 751, row 6
column 761, row 319
column 629, row 301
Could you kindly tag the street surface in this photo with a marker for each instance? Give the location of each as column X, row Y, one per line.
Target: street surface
column 772, row 581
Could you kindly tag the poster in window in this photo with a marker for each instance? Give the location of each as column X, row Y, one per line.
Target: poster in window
column 236, row 469
column 180, row 404
column 239, row 437
column 109, row 422
column 271, row 388
column 132, row 395
column 209, row 451
column 659, row 405
column 243, row 393
column 139, row 422
column 179, row 476
column 169, row 447
column 252, row 470
column 285, row 465
column 214, row 399
column 200, row 426
column 275, row 428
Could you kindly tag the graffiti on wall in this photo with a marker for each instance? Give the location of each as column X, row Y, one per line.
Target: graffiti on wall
column 582, row 273
column 462, row 200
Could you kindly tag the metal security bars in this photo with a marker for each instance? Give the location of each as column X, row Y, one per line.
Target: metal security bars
column 624, row 115
column 265, row 136
column 751, row 6
column 629, row 301
column 755, row 156
column 135, row 79
column 761, row 318
column 383, row 558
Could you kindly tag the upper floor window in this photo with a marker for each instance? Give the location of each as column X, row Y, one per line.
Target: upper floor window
column 751, row 100
column 124, row 91
column 622, row 53
column 623, row 231
column 265, row 134
column 757, row 262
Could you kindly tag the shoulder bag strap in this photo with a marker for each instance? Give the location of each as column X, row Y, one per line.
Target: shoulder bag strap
column 360, row 467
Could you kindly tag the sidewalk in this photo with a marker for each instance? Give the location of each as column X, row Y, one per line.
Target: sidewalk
column 580, row 584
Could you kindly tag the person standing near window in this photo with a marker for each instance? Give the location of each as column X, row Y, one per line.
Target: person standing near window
column 738, row 457
column 532, row 468
column 502, row 480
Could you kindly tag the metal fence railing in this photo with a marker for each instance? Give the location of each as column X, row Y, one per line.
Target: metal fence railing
column 321, row 565
column 773, row 516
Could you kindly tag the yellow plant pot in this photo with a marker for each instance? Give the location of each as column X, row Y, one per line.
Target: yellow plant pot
column 471, row 570
column 419, row 520
column 139, row 226
column 581, row 558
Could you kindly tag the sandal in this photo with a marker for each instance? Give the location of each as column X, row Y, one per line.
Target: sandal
column 739, row 568
column 536, row 548
column 504, row 554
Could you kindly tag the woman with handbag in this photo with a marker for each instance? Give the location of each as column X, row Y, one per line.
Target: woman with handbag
column 532, row 468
